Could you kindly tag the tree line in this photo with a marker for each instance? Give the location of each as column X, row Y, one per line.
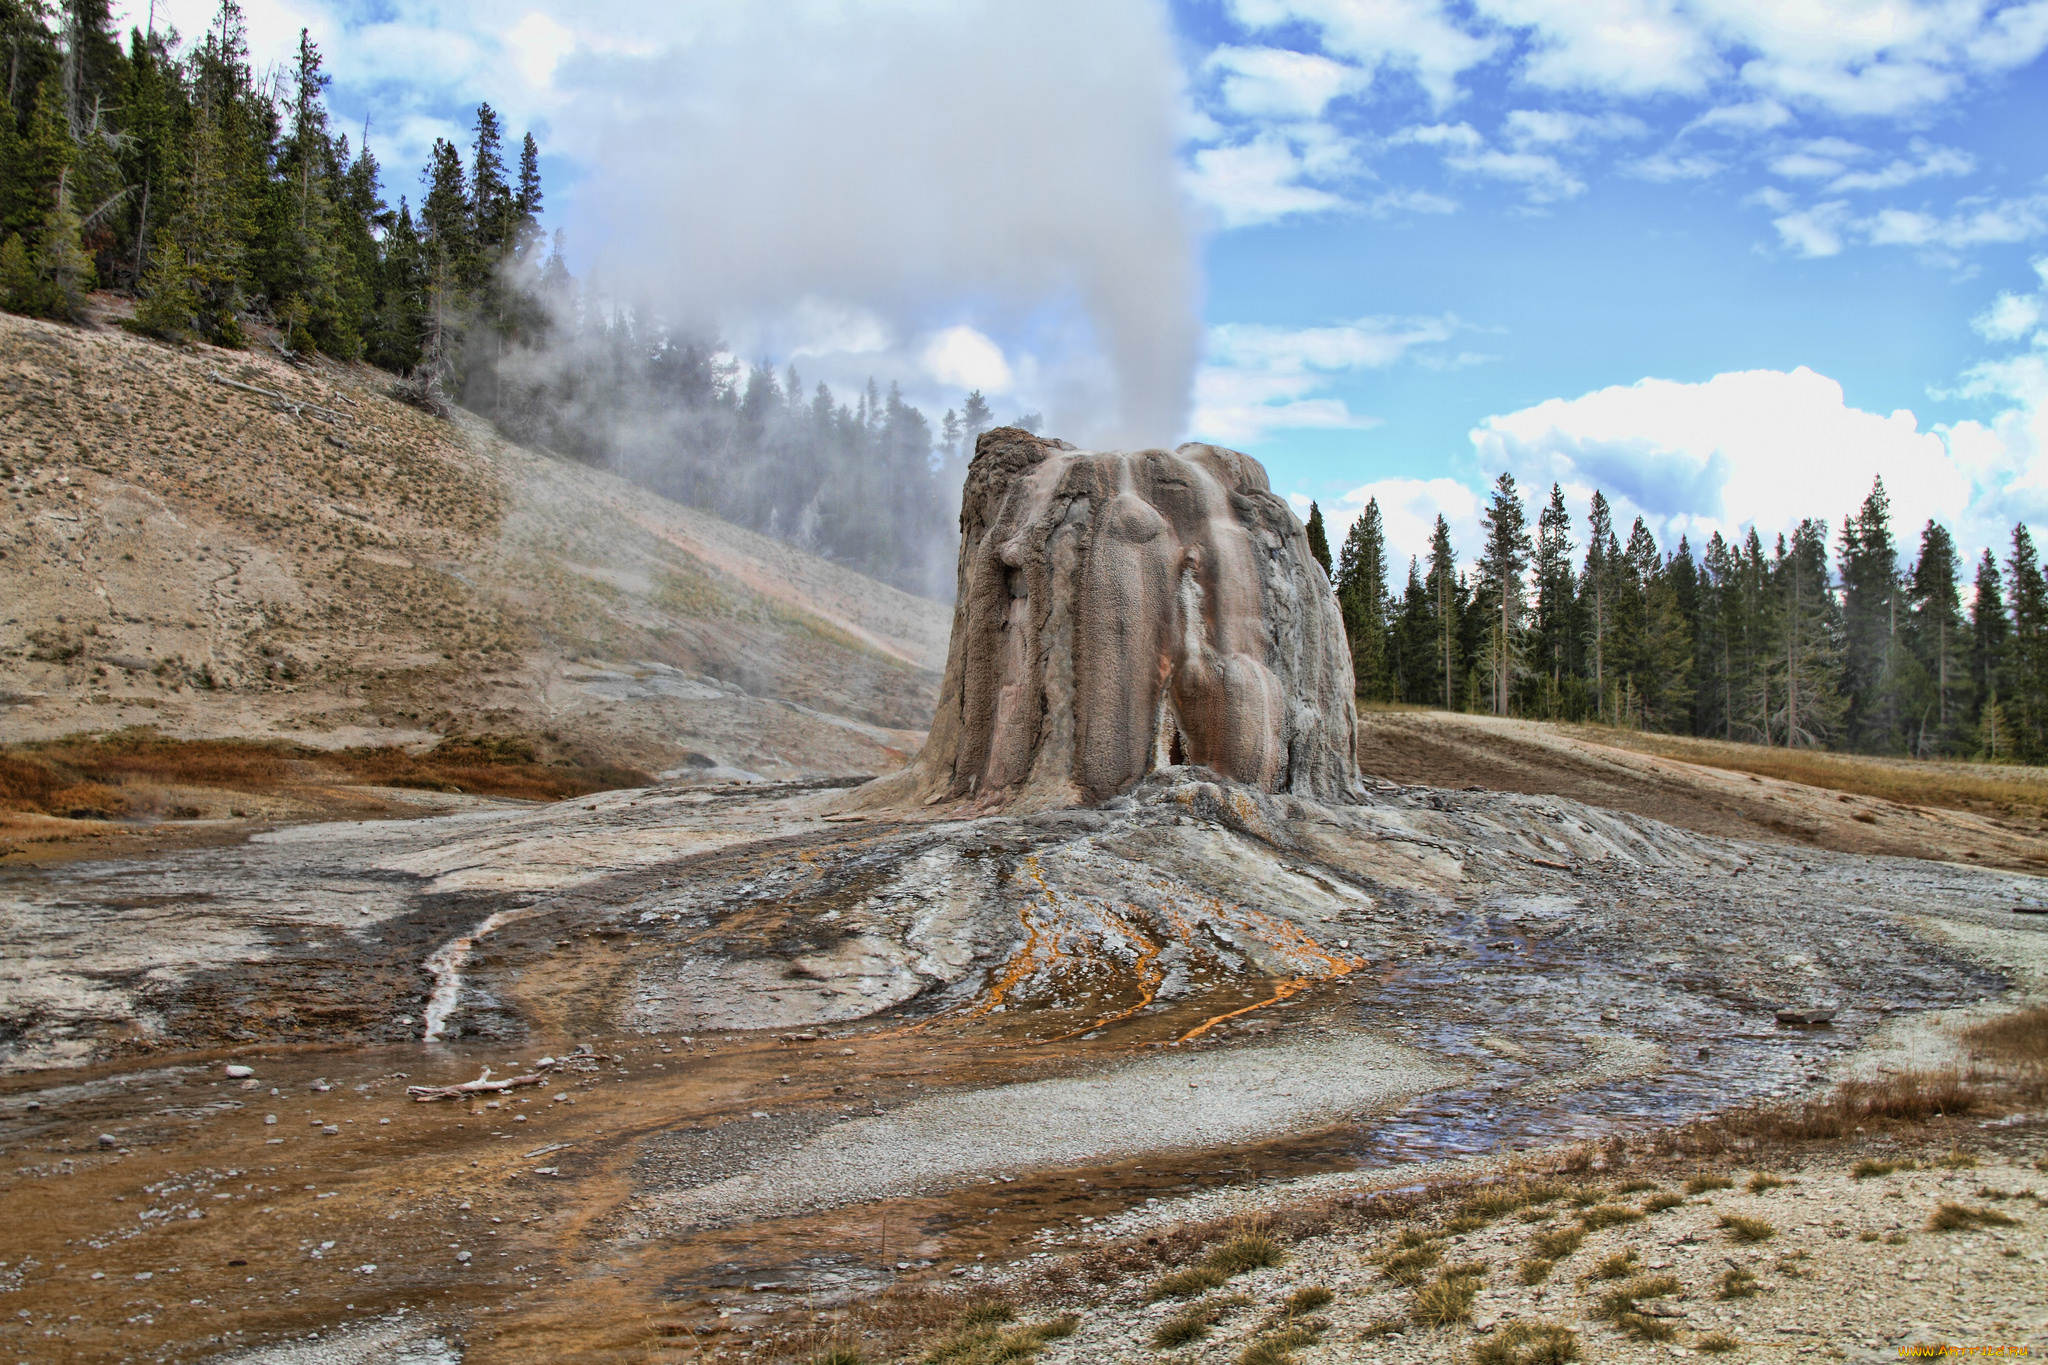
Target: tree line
column 1805, row 640
column 227, row 206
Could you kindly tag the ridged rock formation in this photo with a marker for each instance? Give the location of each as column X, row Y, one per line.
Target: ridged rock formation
column 1121, row 612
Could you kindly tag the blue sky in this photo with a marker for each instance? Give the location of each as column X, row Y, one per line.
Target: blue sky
column 1726, row 259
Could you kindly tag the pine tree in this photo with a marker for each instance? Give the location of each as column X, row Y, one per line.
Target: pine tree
column 1809, row 638
column 1501, row 570
column 1596, row 591
column 1445, row 594
column 975, row 417
column 1555, row 601
column 1870, row 626
column 1363, row 599
column 492, row 209
column 1939, row 642
column 1989, row 635
column 1319, row 540
column 2027, row 652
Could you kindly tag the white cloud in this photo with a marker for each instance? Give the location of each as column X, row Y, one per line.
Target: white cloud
column 1561, row 128
column 1863, row 58
column 1667, row 166
column 1815, row 231
column 1416, row 36
column 1619, row 47
column 1277, row 83
column 1259, row 378
column 1825, row 229
column 1768, row 448
column 1543, row 176
column 1753, row 116
column 2013, row 316
column 963, row 358
column 1924, row 160
column 1261, row 180
column 1408, row 512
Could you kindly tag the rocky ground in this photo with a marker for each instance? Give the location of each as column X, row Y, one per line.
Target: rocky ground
column 814, row 1054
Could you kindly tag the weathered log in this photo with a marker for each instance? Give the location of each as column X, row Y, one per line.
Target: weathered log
column 481, row 1085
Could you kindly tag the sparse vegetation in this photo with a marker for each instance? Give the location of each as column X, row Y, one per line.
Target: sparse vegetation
column 1619, row 1306
column 1870, row 1168
column 1609, row 1216
column 1535, row 1270
column 1735, row 1283
column 1662, row 1200
column 1958, row 1161
column 1527, row 1343
column 1411, row 1265
column 1308, row 1298
column 1251, row 1249
column 1557, row 1244
column 1702, row 1184
column 981, row 1336
column 1746, row 1230
column 1278, row 1348
column 1761, row 1183
column 1951, row 1217
column 1448, row 1298
column 1717, row 1344
column 1619, row 1266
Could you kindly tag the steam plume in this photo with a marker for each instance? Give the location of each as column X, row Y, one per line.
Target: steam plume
column 849, row 180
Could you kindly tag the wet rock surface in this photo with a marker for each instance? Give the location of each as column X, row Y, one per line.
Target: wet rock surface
column 808, row 1028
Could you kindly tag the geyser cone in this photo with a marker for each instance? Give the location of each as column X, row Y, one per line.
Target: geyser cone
column 1123, row 611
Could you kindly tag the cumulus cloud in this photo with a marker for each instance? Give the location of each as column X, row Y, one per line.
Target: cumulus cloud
column 1278, row 83
column 1826, row 228
column 1269, row 176
column 1418, row 37
column 1257, row 379
column 1862, row 58
column 1408, row 511
column 1768, row 448
column 1541, row 175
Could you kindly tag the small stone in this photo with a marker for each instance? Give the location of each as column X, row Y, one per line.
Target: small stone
column 270, row 1118
column 108, row 1140
column 561, row 1095
column 240, row 1073
column 330, row 1129
column 462, row 1256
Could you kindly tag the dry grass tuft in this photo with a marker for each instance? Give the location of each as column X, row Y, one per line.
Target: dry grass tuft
column 1962, row 1218
column 1957, row 1161
column 1662, row 1200
column 1528, row 1343
column 1735, row 1283
column 1609, row 1216
column 1747, row 1231
column 1870, row 1167
column 1701, row 1184
column 1619, row 1266
column 1278, row 1348
column 1410, row 1266
column 1618, row 1306
column 1761, row 1183
column 2021, row 1037
column 1558, row 1244
column 1717, row 1344
column 1308, row 1298
column 1444, row 1300
column 1535, row 1270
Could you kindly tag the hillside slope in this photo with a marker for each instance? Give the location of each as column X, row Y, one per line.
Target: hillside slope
column 217, row 543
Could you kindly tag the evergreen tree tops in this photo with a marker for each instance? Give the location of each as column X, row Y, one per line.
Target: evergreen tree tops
column 1809, row 640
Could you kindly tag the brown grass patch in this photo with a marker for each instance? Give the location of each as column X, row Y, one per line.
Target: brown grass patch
column 1910, row 782
column 2020, row 1037
column 128, row 772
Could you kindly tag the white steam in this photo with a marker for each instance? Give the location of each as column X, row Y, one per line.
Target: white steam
column 930, row 190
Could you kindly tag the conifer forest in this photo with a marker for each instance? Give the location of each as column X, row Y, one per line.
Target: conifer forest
column 1856, row 640
column 226, row 205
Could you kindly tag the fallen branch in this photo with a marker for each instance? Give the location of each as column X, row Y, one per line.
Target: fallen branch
column 483, row 1084
column 293, row 406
